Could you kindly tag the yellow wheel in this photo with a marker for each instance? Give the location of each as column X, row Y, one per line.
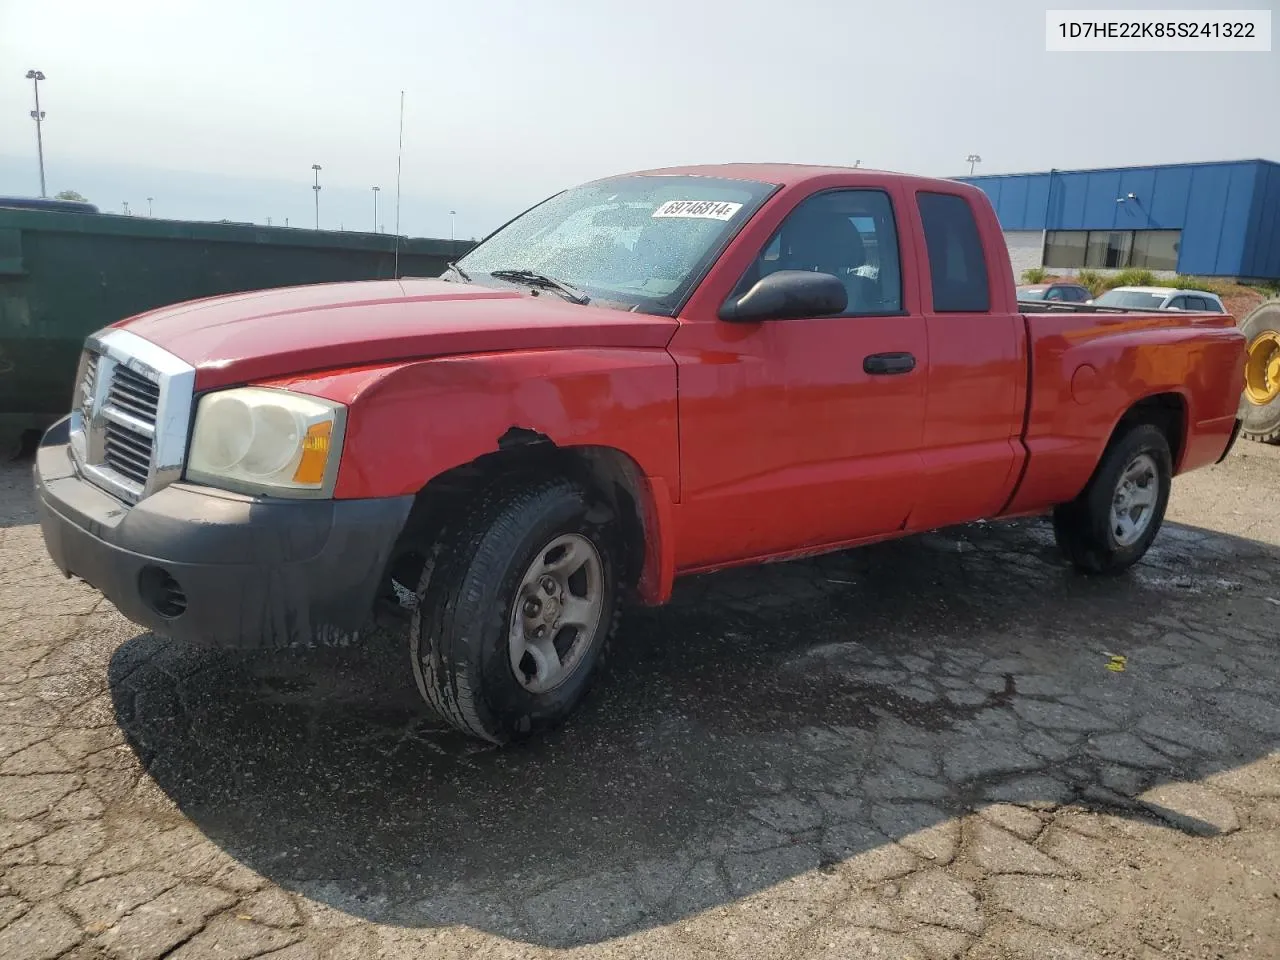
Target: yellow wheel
column 1262, row 369
column 1262, row 373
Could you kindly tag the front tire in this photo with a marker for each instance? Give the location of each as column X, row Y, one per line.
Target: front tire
column 1111, row 524
column 515, row 609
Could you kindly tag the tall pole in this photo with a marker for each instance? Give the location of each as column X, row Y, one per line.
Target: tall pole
column 35, row 76
column 375, row 208
column 149, row 199
column 399, row 159
column 316, row 188
column 453, row 233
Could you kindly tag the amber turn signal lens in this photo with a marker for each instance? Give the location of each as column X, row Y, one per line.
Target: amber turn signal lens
column 315, row 454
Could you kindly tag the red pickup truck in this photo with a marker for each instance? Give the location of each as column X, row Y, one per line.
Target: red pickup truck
column 645, row 376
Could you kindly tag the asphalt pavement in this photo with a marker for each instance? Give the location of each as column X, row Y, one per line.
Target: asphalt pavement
column 949, row 746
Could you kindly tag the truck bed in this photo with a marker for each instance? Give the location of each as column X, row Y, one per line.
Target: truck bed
column 1087, row 365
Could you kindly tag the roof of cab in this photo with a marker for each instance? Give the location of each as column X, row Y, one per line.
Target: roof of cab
column 785, row 174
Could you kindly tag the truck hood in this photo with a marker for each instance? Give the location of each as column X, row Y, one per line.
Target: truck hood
column 272, row 333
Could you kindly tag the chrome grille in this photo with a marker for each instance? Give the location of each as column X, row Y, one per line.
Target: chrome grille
column 88, row 383
column 130, row 422
column 134, row 393
column 133, row 405
column 127, row 452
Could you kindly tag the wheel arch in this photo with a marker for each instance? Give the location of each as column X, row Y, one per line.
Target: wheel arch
column 614, row 479
column 1168, row 412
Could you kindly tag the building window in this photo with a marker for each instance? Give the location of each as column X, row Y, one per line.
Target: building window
column 1112, row 249
column 1156, row 249
column 1109, row 249
column 1065, row 248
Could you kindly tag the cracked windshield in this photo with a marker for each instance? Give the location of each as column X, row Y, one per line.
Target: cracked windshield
column 637, row 241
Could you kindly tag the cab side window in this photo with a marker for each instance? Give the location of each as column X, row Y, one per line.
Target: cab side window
column 957, row 262
column 850, row 234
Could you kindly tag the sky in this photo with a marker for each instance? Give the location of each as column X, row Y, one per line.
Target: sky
column 217, row 110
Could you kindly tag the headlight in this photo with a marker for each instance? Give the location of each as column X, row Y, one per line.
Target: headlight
column 258, row 440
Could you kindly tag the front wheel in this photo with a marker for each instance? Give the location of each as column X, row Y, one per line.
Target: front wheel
column 515, row 609
column 1110, row 526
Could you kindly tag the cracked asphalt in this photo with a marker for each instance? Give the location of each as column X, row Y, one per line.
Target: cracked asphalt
column 947, row 747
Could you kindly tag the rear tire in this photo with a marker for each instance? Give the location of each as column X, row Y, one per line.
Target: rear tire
column 1111, row 524
column 1261, row 329
column 516, row 605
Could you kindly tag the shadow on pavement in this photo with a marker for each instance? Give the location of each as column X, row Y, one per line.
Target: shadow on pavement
column 769, row 723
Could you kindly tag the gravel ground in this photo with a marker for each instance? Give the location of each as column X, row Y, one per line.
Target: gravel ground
column 951, row 746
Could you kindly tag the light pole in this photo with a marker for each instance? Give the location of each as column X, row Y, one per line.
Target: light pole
column 453, row 233
column 149, row 199
column 125, row 204
column 316, row 188
column 35, row 76
column 973, row 158
column 375, row 208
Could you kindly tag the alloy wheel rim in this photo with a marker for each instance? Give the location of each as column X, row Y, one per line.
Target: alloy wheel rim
column 556, row 612
column 1134, row 502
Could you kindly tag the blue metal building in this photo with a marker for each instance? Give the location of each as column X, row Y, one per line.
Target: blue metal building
column 1203, row 219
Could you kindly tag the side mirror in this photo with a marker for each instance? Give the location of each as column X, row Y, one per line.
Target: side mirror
column 788, row 294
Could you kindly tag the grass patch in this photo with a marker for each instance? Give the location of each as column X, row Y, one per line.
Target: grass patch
column 1035, row 275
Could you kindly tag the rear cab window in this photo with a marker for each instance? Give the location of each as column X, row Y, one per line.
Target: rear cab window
column 957, row 261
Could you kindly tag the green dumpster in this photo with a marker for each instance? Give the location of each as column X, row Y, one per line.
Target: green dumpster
column 65, row 274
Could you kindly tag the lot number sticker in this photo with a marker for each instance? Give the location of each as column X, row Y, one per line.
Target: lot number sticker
column 701, row 209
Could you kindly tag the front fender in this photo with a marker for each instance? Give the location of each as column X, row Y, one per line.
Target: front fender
column 408, row 423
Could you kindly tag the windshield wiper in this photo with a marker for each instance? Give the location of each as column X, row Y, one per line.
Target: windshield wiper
column 459, row 271
column 572, row 294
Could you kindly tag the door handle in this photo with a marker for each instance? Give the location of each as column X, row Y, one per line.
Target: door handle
column 888, row 363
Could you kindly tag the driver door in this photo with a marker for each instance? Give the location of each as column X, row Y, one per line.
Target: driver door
column 805, row 433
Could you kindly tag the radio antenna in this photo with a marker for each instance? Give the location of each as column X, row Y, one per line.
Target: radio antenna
column 399, row 156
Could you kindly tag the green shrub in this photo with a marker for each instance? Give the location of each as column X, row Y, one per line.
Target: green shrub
column 1194, row 283
column 1035, row 275
column 1133, row 277
column 1091, row 279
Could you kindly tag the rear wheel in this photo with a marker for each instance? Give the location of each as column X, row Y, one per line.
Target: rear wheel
column 515, row 607
column 1262, row 373
column 1112, row 523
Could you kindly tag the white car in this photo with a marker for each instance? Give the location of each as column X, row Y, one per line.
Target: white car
column 1160, row 298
